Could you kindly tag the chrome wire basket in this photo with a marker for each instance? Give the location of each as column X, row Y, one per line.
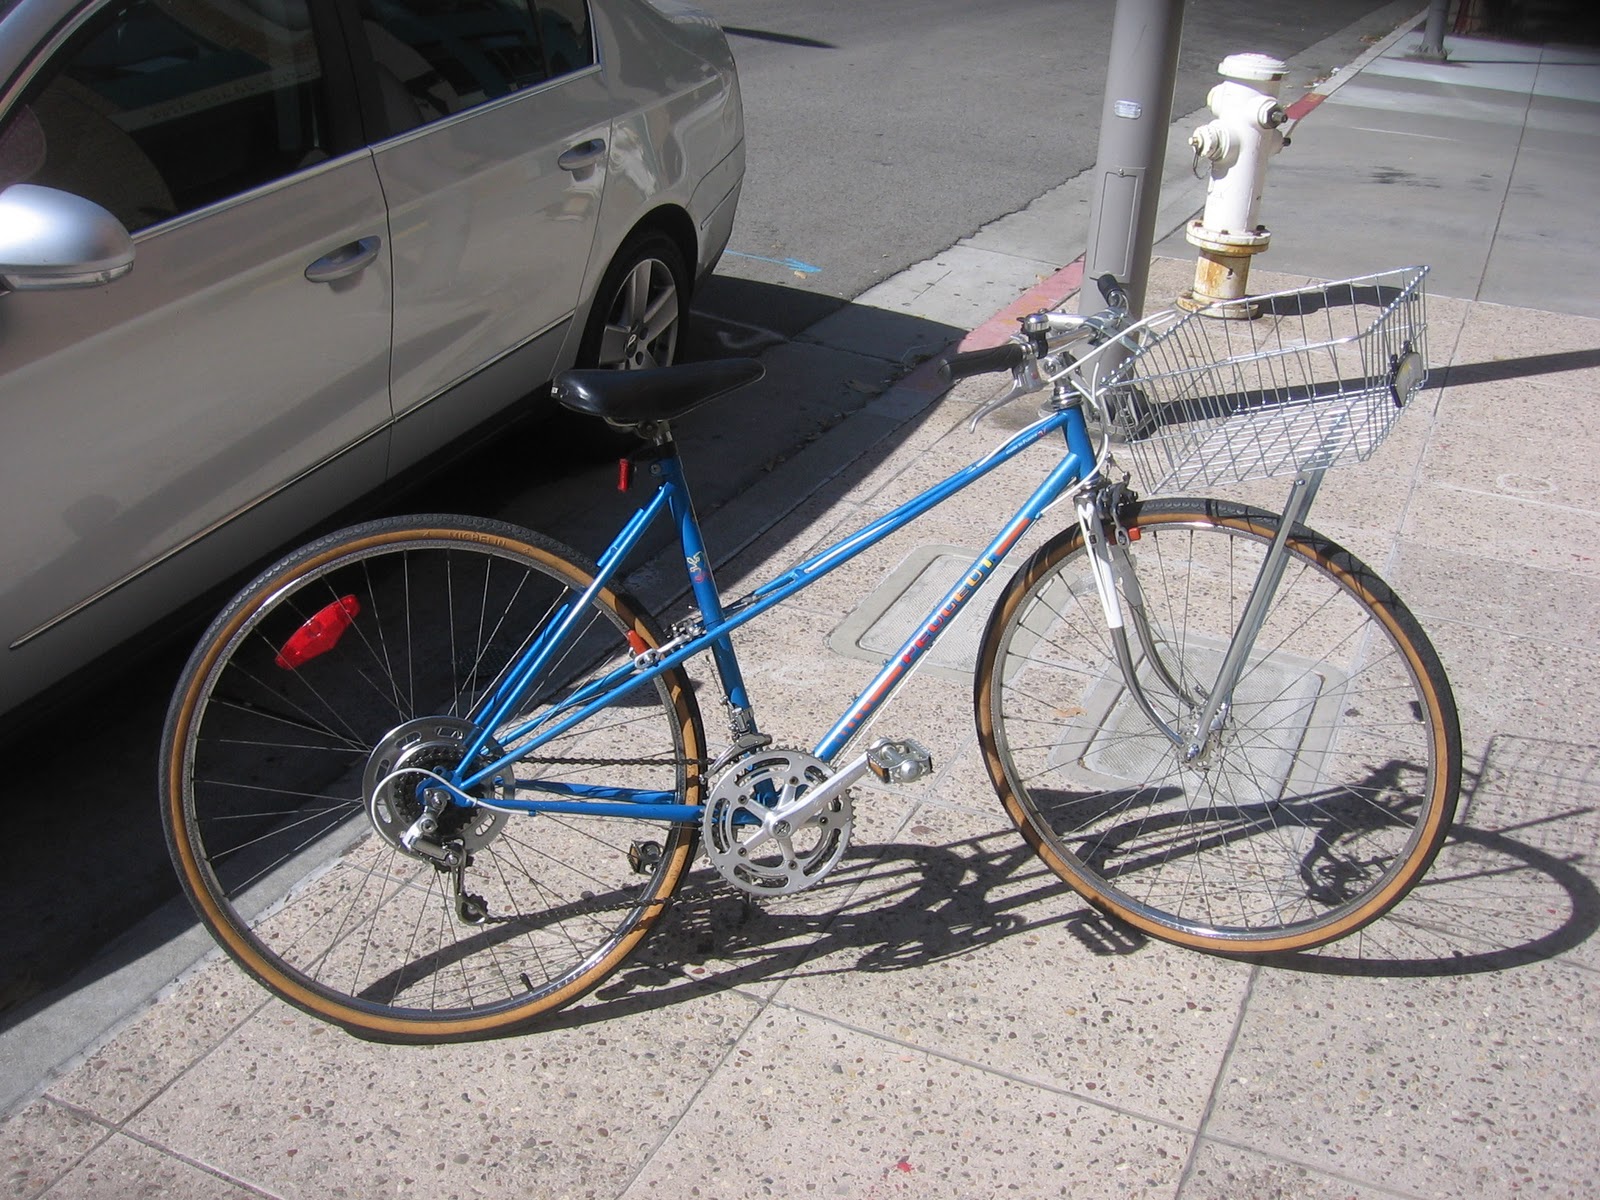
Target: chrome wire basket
column 1316, row 378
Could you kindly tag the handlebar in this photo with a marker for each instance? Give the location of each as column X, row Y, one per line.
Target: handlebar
column 1074, row 354
column 1006, row 357
column 1043, row 335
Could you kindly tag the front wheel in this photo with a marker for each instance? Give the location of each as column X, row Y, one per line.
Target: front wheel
column 1311, row 812
column 307, row 722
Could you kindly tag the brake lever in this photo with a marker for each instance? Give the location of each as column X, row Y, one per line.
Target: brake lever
column 1013, row 391
column 1034, row 375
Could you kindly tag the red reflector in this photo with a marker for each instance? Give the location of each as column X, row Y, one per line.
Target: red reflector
column 635, row 643
column 320, row 634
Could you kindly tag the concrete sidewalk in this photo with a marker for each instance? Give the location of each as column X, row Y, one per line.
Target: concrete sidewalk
column 944, row 1019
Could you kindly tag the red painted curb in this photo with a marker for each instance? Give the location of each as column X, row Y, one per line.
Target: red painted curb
column 1046, row 294
column 1042, row 296
column 1304, row 105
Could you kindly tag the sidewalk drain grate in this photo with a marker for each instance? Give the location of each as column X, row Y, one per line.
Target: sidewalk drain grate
column 893, row 610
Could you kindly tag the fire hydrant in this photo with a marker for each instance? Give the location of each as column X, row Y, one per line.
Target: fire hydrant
column 1238, row 144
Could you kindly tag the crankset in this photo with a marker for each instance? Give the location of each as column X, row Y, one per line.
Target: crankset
column 756, row 835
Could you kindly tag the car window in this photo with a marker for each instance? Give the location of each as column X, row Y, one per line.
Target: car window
column 159, row 107
column 435, row 58
column 564, row 30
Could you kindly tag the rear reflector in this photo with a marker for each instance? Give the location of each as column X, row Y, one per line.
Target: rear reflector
column 320, row 634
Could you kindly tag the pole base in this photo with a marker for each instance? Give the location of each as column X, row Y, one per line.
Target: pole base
column 1221, row 310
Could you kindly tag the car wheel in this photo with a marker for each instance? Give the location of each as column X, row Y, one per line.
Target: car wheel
column 639, row 312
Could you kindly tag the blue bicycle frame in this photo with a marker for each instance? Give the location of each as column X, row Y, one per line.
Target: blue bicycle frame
column 716, row 622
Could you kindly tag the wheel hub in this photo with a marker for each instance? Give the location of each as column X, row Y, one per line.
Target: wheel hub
column 395, row 781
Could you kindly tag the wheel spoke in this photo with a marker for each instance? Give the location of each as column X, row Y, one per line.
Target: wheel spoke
column 295, row 853
column 1315, row 807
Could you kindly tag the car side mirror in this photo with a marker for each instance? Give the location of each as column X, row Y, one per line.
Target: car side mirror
column 50, row 239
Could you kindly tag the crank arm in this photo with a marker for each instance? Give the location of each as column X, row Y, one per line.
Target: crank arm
column 783, row 819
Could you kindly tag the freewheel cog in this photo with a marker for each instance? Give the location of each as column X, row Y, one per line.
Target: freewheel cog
column 753, row 849
column 393, row 779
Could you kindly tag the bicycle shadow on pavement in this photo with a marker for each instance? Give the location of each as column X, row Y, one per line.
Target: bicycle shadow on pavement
column 1515, row 883
column 899, row 907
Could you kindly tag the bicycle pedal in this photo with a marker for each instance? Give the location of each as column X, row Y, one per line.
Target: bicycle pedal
column 644, row 857
column 899, row 760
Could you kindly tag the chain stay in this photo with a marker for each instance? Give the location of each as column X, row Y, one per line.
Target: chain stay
column 580, row 910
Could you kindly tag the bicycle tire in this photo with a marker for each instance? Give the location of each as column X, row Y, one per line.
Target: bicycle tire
column 274, row 743
column 1330, row 789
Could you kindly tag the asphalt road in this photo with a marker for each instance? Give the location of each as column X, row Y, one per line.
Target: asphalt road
column 879, row 134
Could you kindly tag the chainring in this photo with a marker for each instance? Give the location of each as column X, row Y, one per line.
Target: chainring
column 740, row 808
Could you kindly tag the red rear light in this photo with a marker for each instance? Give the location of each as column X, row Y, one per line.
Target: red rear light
column 320, row 634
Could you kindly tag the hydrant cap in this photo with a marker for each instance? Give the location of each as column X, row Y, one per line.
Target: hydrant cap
column 1253, row 68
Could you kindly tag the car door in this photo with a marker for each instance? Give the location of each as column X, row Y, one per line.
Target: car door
column 247, row 348
column 493, row 173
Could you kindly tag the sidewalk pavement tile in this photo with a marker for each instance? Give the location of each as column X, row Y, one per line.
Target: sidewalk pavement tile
column 1223, row 1172
column 809, row 1107
column 44, row 1140
column 996, row 976
column 162, row 1043
column 1481, row 1094
column 299, row 1109
column 124, row 1168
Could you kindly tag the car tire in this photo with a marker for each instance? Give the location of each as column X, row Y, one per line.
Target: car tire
column 640, row 308
column 651, row 265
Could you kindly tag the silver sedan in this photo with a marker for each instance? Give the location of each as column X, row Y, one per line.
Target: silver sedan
column 260, row 256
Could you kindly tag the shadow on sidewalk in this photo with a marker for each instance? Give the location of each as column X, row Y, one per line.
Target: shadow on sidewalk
column 1524, row 367
column 1515, row 884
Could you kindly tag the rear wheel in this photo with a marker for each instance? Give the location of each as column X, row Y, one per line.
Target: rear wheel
column 1320, row 802
column 308, row 718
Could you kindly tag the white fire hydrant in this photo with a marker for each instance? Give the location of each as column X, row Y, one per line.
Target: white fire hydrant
column 1238, row 144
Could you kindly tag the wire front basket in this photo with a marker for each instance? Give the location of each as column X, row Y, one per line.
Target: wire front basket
column 1316, row 378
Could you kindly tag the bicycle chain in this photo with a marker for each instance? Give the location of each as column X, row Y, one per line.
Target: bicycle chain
column 685, row 894
column 559, row 761
column 688, row 893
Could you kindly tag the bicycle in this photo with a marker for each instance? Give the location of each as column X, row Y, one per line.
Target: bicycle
column 434, row 778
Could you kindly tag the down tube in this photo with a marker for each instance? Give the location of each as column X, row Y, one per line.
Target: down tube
column 897, row 669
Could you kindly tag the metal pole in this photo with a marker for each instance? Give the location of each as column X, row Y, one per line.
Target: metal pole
column 1133, row 146
column 1433, row 32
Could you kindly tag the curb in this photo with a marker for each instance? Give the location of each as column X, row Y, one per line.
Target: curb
column 1344, row 74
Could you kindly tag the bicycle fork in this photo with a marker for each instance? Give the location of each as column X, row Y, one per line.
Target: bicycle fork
column 1115, row 579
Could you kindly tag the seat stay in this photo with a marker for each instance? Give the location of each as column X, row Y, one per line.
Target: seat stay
column 494, row 711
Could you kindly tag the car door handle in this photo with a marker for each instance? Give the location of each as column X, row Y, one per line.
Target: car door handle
column 345, row 261
column 584, row 154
